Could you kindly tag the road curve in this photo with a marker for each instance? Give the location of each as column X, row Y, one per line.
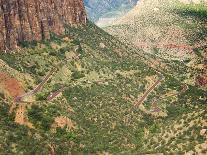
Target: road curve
column 55, row 94
column 37, row 89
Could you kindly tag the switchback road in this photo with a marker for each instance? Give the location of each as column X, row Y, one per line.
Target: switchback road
column 141, row 100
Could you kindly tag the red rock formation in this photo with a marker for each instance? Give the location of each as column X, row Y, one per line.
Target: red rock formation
column 28, row 20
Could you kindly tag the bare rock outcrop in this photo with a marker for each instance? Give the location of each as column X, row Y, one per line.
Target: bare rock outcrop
column 29, row 20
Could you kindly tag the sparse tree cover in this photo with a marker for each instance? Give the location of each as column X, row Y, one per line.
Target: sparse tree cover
column 88, row 104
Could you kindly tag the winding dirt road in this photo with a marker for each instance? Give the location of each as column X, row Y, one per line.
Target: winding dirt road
column 141, row 100
column 155, row 108
column 55, row 94
column 37, row 89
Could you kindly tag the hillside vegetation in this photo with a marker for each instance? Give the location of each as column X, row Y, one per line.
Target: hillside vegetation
column 172, row 30
column 99, row 80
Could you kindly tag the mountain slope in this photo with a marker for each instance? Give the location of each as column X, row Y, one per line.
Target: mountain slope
column 168, row 29
column 158, row 23
column 112, row 8
column 94, row 111
column 86, row 92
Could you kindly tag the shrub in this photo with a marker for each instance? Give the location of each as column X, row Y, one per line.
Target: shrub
column 77, row 75
column 155, row 128
column 39, row 118
column 41, row 96
column 62, row 133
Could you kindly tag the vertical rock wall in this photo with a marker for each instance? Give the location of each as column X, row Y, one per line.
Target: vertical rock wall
column 28, row 20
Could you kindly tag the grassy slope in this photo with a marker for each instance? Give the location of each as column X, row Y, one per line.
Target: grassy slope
column 100, row 88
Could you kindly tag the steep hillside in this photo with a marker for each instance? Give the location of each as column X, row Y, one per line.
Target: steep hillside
column 160, row 24
column 170, row 30
column 89, row 101
column 85, row 92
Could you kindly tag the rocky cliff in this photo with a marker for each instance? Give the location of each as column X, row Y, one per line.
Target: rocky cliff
column 29, row 20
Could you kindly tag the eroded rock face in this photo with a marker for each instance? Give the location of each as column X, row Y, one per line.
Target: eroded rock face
column 28, row 20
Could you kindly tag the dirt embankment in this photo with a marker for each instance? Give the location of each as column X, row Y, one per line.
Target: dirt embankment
column 10, row 88
column 62, row 122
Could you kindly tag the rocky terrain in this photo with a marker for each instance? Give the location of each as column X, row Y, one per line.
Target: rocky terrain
column 88, row 92
column 34, row 20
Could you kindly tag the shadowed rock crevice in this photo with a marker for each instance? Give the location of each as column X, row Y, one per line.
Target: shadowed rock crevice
column 33, row 20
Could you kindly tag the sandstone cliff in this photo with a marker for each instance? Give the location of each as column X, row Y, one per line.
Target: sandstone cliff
column 28, row 20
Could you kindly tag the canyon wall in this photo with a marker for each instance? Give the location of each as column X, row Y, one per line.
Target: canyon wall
column 33, row 20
